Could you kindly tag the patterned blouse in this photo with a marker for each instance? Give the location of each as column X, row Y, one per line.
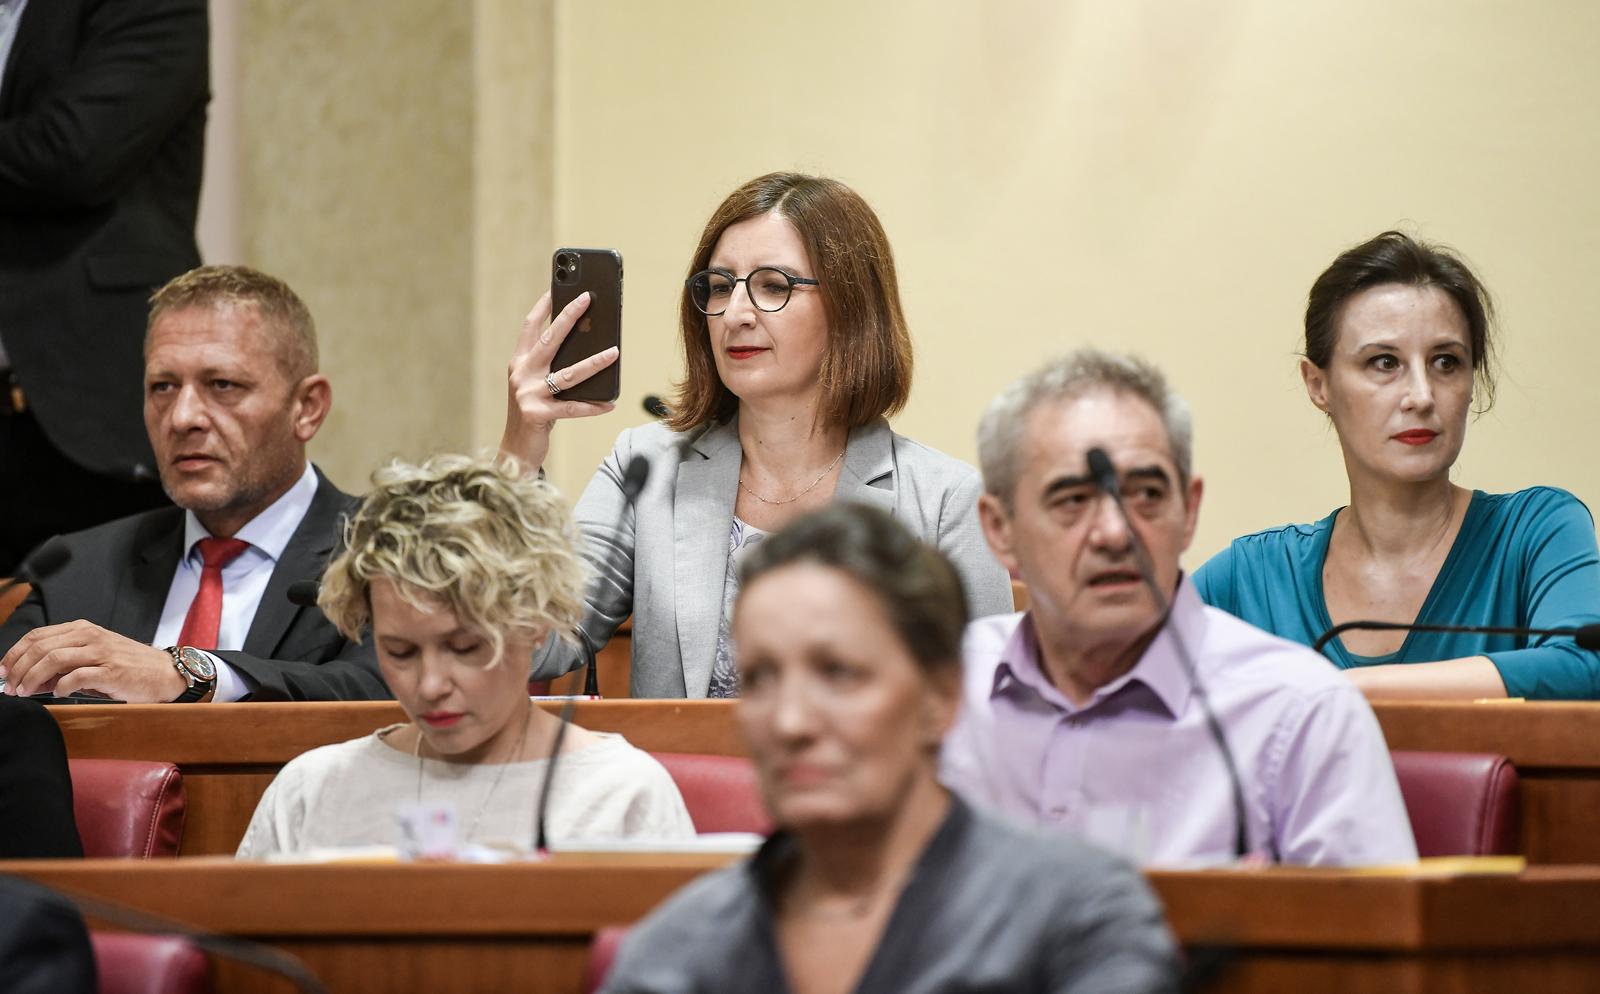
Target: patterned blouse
column 742, row 538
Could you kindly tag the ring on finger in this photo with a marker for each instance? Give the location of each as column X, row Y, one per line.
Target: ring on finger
column 550, row 381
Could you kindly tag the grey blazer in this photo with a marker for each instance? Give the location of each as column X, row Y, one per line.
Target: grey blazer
column 665, row 563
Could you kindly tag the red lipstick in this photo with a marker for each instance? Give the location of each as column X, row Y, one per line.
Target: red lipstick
column 441, row 719
column 743, row 351
column 1416, row 436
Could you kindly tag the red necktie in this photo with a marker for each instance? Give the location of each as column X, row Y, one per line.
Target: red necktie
column 205, row 614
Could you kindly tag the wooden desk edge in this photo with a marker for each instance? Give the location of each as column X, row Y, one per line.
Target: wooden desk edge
column 1533, row 734
column 265, row 734
column 575, row 895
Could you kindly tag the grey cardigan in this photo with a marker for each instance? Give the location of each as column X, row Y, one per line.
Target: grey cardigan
column 665, row 563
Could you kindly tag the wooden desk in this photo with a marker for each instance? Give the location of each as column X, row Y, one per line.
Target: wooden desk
column 230, row 752
column 1556, row 747
column 527, row 926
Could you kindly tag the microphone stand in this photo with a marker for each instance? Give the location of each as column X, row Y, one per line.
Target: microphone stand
column 634, row 477
column 1105, row 475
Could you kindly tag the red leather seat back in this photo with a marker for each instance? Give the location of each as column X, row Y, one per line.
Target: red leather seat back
column 1461, row 803
column 602, row 953
column 719, row 791
column 127, row 807
column 149, row 964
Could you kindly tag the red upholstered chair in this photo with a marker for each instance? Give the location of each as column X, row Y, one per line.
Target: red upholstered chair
column 126, row 807
column 602, row 952
column 1461, row 803
column 719, row 791
column 149, row 964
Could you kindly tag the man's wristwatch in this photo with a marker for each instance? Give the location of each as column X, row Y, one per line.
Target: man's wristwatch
column 197, row 670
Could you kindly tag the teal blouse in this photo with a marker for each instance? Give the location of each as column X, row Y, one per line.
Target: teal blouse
column 1523, row 560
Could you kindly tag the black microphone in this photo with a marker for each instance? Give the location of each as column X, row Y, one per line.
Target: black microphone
column 634, row 477
column 1105, row 474
column 303, row 593
column 41, row 562
column 1587, row 636
column 656, row 407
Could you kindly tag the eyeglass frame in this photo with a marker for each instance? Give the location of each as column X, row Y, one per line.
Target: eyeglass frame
column 794, row 281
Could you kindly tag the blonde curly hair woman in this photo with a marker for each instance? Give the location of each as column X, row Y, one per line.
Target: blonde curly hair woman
column 457, row 568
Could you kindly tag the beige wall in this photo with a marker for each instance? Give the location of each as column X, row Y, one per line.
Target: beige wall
column 396, row 170
column 1162, row 177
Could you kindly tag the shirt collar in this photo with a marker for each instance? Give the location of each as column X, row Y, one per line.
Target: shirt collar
column 268, row 532
column 1161, row 668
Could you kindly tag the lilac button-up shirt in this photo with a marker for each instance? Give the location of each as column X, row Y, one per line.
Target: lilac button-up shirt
column 1135, row 770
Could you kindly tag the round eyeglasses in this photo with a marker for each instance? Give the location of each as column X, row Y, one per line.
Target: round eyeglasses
column 769, row 289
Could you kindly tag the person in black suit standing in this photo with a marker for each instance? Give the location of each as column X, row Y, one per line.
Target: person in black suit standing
column 189, row 603
column 102, row 128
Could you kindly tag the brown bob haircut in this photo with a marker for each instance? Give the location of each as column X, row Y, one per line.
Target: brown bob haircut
column 866, row 372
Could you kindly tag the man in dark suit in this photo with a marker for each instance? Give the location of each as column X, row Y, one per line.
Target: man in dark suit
column 232, row 396
column 102, row 127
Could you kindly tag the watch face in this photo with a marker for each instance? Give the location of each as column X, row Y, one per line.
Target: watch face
column 197, row 663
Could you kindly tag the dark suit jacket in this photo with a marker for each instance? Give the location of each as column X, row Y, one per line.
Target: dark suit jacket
column 35, row 788
column 44, row 947
column 102, row 129
column 119, row 575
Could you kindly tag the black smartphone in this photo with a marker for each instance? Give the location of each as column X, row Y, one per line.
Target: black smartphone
column 598, row 271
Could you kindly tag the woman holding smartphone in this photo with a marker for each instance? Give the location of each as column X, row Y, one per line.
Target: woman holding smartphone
column 796, row 349
column 1398, row 346
column 849, row 634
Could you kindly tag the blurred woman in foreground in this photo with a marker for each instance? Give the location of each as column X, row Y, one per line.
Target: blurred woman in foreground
column 459, row 567
column 849, row 636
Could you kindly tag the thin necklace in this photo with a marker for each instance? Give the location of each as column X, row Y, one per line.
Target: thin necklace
column 791, row 500
column 416, row 751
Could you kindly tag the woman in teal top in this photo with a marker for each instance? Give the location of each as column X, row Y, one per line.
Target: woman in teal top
column 1397, row 336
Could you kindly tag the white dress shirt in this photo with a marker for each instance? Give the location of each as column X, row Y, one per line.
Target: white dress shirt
column 243, row 581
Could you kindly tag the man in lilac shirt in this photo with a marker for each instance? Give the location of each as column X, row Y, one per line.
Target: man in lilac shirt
column 1078, row 713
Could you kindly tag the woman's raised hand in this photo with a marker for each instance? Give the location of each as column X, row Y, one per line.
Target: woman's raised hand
column 532, row 408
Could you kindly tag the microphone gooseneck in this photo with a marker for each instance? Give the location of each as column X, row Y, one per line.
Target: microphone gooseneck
column 634, row 476
column 228, row 947
column 1586, row 636
column 1105, row 476
column 41, row 563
